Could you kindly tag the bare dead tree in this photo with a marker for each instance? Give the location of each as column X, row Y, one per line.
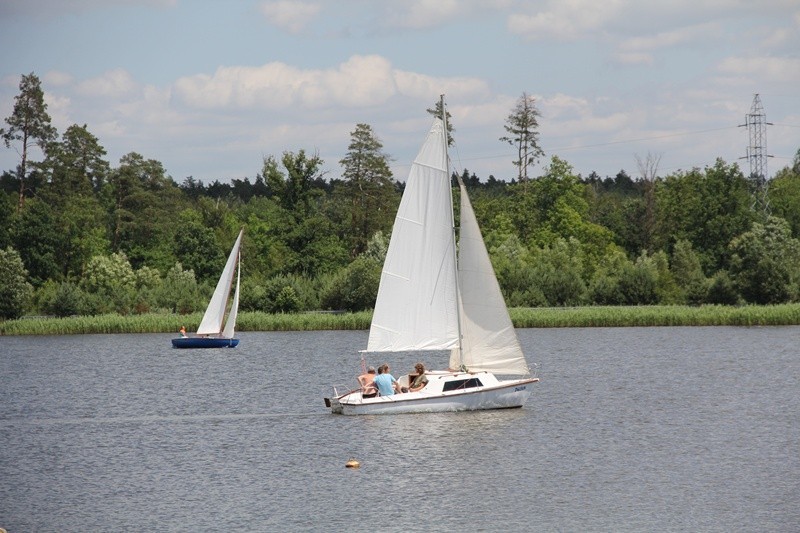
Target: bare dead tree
column 648, row 170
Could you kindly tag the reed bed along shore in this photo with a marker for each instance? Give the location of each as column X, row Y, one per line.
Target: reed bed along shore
column 552, row 317
column 166, row 323
column 657, row 315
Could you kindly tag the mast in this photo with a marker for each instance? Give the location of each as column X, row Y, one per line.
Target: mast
column 446, row 137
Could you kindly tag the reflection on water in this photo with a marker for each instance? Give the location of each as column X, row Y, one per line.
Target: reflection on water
column 630, row 429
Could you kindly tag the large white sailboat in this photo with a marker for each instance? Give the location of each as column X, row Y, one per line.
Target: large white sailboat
column 217, row 328
column 433, row 296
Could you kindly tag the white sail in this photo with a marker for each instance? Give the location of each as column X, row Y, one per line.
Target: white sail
column 417, row 304
column 215, row 312
column 489, row 341
column 428, row 302
column 230, row 324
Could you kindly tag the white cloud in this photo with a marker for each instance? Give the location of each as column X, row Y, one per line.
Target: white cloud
column 112, row 84
column 564, row 20
column 425, row 87
column 424, row 13
column 290, row 15
column 674, row 21
column 58, row 107
column 573, row 118
column 57, row 78
column 671, row 38
column 361, row 81
column 764, row 69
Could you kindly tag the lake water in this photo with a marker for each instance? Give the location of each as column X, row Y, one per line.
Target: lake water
column 630, row 429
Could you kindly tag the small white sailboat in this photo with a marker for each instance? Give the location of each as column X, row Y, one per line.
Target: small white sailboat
column 214, row 330
column 429, row 299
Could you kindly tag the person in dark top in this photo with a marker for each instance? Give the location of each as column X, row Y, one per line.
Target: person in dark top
column 420, row 381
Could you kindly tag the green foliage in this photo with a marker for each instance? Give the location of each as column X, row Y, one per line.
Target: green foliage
column 784, row 196
column 622, row 215
column 651, row 315
column 619, row 281
column 554, row 240
column 288, row 294
column 35, row 238
column 557, row 272
column 148, row 285
column 253, row 296
column 15, row 291
column 292, row 185
column 765, row 263
column 354, row 288
column 110, row 283
column 550, row 317
column 604, row 287
column 67, row 300
column 688, row 273
column 81, row 233
column 708, row 208
column 7, row 219
column 144, row 205
column 377, row 246
column 286, row 301
column 196, row 247
column 722, row 290
column 170, row 323
column 179, row 292
column 77, row 163
column 280, row 294
column 316, row 248
column 638, row 281
column 667, row 289
column 368, row 192
column 512, row 265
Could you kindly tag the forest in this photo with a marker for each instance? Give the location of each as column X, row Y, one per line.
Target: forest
column 82, row 236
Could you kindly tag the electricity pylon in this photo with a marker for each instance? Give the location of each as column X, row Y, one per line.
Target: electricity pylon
column 756, row 122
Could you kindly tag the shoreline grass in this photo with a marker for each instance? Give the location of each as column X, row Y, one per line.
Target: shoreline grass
column 551, row 317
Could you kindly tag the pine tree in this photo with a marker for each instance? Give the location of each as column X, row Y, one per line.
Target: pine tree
column 369, row 186
column 29, row 124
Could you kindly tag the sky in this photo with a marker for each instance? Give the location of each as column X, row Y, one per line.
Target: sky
column 211, row 88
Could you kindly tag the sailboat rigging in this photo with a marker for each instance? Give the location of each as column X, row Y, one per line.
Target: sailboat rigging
column 214, row 330
column 433, row 297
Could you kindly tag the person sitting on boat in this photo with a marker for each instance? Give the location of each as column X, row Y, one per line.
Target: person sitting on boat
column 367, row 382
column 386, row 383
column 420, row 381
column 183, row 331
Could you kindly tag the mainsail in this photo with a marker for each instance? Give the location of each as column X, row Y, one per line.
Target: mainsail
column 215, row 312
column 417, row 304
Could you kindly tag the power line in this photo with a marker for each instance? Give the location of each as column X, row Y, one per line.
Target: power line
column 609, row 143
column 656, row 137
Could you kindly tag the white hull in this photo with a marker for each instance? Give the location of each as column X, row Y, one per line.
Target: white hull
column 434, row 398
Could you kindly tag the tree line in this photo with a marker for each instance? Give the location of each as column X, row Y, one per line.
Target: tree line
column 80, row 236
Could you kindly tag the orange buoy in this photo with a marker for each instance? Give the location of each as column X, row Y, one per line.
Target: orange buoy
column 352, row 463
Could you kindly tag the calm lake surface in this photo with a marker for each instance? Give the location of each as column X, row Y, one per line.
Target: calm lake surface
column 630, row 429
